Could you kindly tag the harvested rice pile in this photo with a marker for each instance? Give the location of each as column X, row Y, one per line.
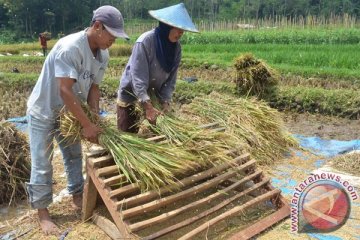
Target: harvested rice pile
column 14, row 163
column 349, row 163
column 258, row 127
column 253, row 76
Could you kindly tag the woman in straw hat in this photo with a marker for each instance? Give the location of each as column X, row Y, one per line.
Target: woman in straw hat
column 153, row 67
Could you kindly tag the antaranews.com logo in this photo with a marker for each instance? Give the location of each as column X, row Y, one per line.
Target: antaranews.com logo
column 321, row 203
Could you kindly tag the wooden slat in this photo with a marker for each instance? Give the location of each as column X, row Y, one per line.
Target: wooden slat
column 107, row 226
column 95, row 153
column 105, row 171
column 168, row 215
column 110, row 205
column 89, row 198
column 98, row 162
column 263, row 224
column 151, row 195
column 207, row 212
column 231, row 212
column 181, row 195
column 113, row 180
column 124, row 191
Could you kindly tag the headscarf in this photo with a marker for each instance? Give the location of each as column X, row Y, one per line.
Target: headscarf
column 165, row 50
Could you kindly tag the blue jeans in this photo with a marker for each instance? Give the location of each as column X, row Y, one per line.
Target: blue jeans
column 41, row 135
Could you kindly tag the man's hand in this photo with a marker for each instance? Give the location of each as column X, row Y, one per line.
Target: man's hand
column 91, row 132
column 151, row 113
column 166, row 108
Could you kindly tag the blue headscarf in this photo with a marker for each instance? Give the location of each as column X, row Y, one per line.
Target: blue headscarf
column 165, row 50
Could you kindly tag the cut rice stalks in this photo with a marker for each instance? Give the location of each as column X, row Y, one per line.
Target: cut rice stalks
column 256, row 125
column 209, row 146
column 14, row 163
column 253, row 76
column 143, row 162
column 349, row 163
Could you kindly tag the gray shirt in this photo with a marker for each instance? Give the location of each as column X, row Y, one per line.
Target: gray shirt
column 144, row 72
column 71, row 57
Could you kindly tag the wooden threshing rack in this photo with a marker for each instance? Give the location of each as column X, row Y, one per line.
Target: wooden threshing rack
column 206, row 198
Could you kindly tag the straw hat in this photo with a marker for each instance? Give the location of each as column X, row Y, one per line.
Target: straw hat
column 175, row 16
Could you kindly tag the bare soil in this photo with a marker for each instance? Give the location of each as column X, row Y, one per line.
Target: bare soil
column 326, row 127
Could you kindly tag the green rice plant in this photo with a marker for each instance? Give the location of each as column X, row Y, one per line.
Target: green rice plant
column 146, row 163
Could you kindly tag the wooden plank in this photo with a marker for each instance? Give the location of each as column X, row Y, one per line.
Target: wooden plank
column 207, row 212
column 113, row 180
column 95, row 153
column 110, row 205
column 107, row 226
column 124, row 191
column 89, row 198
column 151, row 206
column 263, row 224
column 151, row 195
column 231, row 212
column 168, row 215
column 101, row 161
column 105, row 171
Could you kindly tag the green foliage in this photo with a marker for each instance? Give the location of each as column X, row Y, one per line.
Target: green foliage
column 337, row 102
column 276, row 36
column 185, row 91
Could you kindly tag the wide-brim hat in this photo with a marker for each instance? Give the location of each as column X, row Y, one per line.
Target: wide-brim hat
column 175, row 16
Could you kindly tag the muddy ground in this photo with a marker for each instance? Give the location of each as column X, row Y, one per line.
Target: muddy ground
column 24, row 221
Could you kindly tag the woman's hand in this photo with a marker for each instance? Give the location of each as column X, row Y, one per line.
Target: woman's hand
column 151, row 113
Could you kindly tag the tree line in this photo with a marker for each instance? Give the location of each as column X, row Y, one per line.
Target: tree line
column 26, row 18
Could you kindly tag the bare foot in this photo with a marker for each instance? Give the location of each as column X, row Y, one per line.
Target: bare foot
column 77, row 201
column 46, row 223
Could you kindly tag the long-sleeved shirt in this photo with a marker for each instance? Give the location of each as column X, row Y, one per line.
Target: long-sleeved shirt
column 143, row 72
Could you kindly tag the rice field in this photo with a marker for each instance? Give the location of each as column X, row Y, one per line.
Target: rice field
column 318, row 72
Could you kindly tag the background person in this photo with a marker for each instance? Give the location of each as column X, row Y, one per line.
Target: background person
column 71, row 73
column 43, row 43
column 153, row 66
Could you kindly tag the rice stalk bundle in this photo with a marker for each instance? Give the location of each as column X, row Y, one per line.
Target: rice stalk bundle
column 146, row 163
column 15, row 163
column 253, row 76
column 256, row 125
column 209, row 146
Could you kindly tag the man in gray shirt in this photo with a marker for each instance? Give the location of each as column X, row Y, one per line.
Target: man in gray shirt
column 153, row 67
column 71, row 74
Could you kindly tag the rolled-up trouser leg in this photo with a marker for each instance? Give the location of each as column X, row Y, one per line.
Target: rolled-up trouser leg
column 127, row 119
column 41, row 149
